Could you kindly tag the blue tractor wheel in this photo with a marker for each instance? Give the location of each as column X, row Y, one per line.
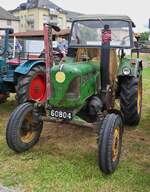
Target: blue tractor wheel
column 32, row 86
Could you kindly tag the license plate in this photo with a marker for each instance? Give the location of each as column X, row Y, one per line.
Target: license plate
column 61, row 114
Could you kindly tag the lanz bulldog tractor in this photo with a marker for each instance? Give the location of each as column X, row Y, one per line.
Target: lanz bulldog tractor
column 82, row 89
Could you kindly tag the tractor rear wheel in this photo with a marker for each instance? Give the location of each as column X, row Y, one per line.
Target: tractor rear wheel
column 110, row 142
column 32, row 87
column 21, row 132
column 131, row 99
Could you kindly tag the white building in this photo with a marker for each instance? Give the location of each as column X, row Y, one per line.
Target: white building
column 7, row 20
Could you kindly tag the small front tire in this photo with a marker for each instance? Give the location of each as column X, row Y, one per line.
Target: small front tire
column 21, row 132
column 110, row 142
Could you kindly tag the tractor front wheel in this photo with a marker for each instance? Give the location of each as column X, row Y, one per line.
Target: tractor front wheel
column 32, row 87
column 110, row 142
column 131, row 99
column 21, row 132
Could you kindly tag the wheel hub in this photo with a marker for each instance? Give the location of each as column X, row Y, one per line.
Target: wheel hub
column 37, row 88
column 115, row 145
column 26, row 132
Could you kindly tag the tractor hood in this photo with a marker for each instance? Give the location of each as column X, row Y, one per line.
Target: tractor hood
column 66, row 77
column 74, row 68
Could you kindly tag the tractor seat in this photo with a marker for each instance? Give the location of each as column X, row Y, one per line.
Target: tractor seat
column 95, row 55
column 13, row 62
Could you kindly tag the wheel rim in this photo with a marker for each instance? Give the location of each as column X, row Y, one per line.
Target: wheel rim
column 115, row 145
column 27, row 133
column 139, row 99
column 37, row 88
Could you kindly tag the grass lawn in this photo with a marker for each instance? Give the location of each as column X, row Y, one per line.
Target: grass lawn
column 65, row 159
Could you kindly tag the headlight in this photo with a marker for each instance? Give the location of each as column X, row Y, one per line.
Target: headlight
column 126, row 71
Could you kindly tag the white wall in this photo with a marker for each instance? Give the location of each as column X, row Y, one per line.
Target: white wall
column 34, row 46
column 14, row 25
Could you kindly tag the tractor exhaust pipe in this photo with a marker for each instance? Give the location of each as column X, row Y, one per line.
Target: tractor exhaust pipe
column 105, row 59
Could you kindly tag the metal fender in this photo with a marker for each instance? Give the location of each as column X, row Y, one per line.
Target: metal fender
column 25, row 67
column 130, row 67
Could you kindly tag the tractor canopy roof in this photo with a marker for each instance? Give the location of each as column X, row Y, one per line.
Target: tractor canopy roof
column 87, row 31
column 105, row 17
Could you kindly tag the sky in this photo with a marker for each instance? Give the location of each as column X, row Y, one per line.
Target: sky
column 139, row 11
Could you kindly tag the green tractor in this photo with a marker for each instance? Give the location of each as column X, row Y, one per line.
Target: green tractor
column 83, row 89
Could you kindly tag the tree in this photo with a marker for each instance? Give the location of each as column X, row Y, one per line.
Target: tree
column 144, row 36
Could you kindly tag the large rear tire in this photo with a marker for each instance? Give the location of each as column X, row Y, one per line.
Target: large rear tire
column 32, row 86
column 21, row 132
column 110, row 142
column 131, row 99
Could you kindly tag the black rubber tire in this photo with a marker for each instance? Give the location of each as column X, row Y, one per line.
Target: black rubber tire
column 106, row 136
column 14, row 127
column 23, row 83
column 130, row 108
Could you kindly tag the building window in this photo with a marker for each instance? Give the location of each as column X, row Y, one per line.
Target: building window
column 54, row 19
column 45, row 18
column 8, row 22
column 32, row 26
column 60, row 23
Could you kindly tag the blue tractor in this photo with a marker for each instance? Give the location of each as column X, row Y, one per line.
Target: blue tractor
column 6, row 67
column 24, row 75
